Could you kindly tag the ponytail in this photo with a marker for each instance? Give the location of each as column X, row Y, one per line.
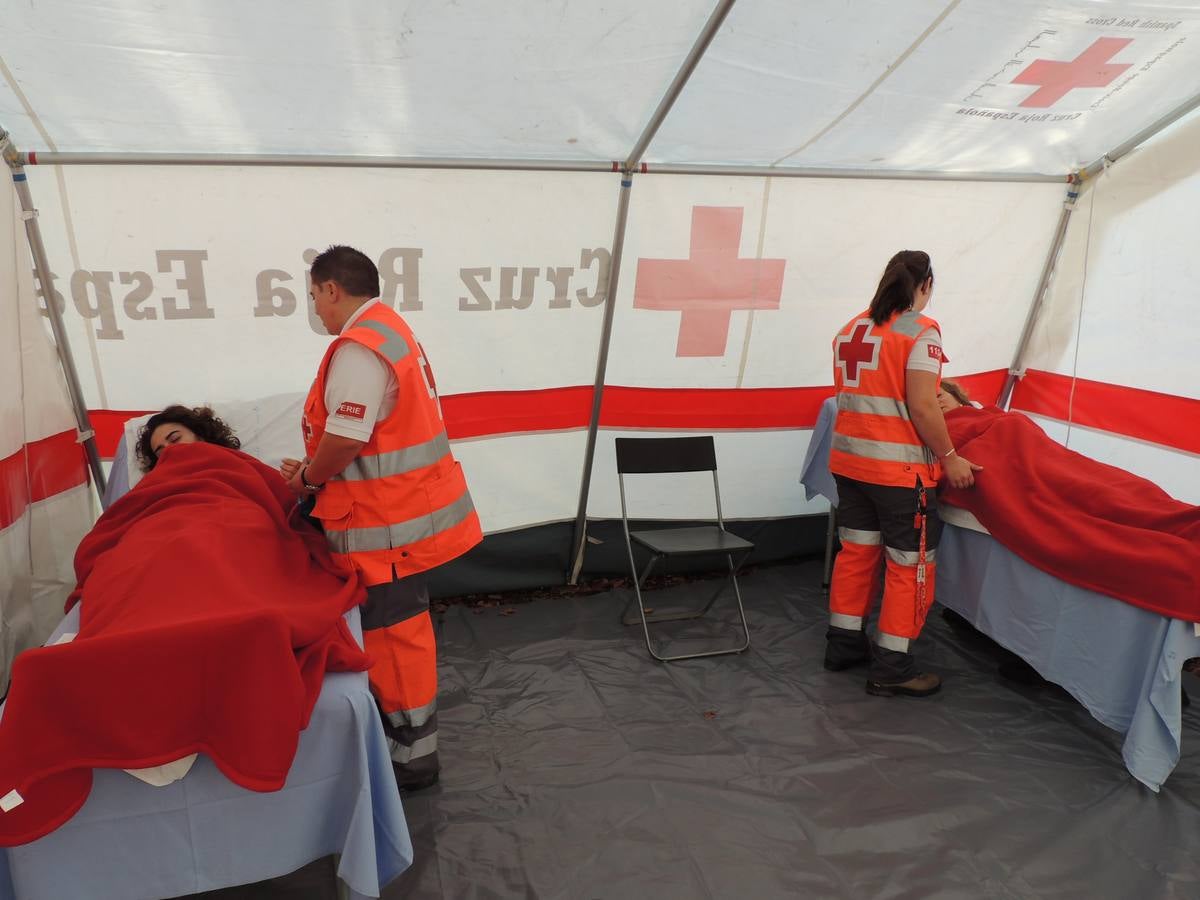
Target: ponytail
column 905, row 273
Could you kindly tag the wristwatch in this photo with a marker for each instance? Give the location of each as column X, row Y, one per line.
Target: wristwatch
column 304, row 481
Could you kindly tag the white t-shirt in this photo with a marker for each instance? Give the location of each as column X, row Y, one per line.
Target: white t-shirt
column 360, row 387
column 926, row 354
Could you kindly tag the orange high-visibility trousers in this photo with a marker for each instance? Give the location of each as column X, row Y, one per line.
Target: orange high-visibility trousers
column 398, row 636
column 877, row 522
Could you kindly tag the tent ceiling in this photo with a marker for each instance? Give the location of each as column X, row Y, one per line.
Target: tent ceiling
column 927, row 85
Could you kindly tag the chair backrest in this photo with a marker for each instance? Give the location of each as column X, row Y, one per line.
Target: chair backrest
column 675, row 454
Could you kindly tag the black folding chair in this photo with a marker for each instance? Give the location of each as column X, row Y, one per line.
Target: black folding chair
column 642, row 456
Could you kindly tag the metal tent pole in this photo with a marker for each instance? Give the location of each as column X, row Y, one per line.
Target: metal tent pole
column 848, row 173
column 1015, row 370
column 1141, row 137
column 711, row 27
column 59, row 158
column 41, row 263
column 589, row 453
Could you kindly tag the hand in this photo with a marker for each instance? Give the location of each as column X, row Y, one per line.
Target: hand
column 960, row 472
column 289, row 467
column 296, row 484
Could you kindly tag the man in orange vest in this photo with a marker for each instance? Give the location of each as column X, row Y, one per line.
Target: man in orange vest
column 888, row 451
column 388, row 492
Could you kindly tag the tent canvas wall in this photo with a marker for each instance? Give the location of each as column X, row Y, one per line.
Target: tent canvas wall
column 470, row 151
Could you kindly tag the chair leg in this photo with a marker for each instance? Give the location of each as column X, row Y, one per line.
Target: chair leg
column 638, row 581
column 737, row 593
column 827, row 574
column 667, row 615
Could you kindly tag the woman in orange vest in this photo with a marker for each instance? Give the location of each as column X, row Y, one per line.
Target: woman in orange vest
column 890, row 447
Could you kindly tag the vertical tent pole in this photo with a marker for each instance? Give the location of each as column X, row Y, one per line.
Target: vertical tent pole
column 1015, row 370
column 41, row 264
column 711, row 27
column 614, row 270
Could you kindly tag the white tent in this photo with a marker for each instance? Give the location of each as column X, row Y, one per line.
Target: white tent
column 737, row 175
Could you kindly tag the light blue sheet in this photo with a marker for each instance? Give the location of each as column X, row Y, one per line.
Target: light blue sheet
column 131, row 840
column 1122, row 662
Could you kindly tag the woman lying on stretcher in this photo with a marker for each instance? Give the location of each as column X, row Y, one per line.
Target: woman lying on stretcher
column 1085, row 522
column 227, row 662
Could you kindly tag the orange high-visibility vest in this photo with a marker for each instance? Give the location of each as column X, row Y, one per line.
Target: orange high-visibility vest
column 402, row 506
column 874, row 439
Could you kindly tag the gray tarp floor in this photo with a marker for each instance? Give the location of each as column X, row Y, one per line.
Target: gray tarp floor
column 575, row 767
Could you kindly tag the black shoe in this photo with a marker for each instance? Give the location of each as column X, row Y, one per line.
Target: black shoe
column 411, row 786
column 923, row 684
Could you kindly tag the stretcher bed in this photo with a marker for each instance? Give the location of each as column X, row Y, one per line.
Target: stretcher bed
column 1123, row 663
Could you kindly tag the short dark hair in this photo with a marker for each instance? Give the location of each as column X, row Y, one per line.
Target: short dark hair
column 200, row 419
column 350, row 268
column 905, row 272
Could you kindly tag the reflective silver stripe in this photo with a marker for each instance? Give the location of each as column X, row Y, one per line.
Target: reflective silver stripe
column 885, row 450
column 850, row 623
column 909, row 324
column 892, row 642
column 875, row 406
column 385, row 537
column 394, row 348
column 413, row 718
column 854, row 536
column 397, row 462
column 421, row 747
column 911, row 557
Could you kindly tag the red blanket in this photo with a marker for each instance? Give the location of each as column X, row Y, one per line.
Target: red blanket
column 209, row 619
column 1090, row 524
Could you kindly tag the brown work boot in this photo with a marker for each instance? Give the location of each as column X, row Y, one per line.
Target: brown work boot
column 923, row 684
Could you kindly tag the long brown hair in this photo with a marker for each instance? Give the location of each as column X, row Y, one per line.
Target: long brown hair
column 200, row 419
column 904, row 274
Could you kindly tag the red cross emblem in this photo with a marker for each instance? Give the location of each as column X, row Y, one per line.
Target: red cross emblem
column 710, row 284
column 857, row 352
column 1090, row 69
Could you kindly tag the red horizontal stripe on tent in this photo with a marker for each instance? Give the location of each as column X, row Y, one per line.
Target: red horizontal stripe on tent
column 1146, row 415
column 556, row 409
column 39, row 470
column 717, row 408
column 507, row 412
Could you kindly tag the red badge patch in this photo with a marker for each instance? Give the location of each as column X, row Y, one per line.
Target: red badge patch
column 352, row 411
column 934, row 351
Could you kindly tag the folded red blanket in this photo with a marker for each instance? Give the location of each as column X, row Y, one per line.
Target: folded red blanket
column 209, row 618
column 1090, row 524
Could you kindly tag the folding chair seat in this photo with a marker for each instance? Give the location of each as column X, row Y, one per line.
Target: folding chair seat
column 663, row 456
